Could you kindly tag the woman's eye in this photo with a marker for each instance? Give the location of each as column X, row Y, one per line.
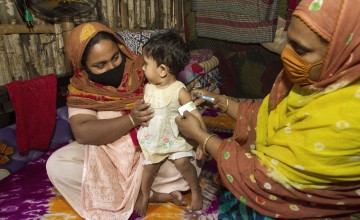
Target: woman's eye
column 115, row 58
column 100, row 66
column 300, row 51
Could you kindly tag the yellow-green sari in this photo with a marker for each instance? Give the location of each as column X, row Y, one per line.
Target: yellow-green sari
column 312, row 140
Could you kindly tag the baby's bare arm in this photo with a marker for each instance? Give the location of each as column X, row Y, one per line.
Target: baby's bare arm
column 185, row 97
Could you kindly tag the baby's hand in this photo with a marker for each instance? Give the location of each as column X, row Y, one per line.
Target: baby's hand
column 199, row 154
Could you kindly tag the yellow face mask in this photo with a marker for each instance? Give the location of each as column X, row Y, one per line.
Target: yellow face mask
column 296, row 67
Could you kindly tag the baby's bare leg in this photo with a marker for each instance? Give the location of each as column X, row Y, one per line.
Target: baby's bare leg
column 188, row 171
column 148, row 177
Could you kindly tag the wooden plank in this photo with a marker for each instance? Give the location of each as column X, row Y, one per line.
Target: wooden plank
column 152, row 21
column 137, row 14
column 131, row 13
column 124, row 14
column 23, row 29
column 143, row 14
column 110, row 10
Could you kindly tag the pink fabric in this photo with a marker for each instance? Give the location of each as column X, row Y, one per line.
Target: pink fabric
column 34, row 102
column 111, row 179
column 190, row 72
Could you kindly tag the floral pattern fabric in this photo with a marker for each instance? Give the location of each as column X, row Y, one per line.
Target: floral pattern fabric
column 161, row 138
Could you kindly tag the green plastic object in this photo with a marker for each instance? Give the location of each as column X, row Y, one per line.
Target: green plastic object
column 28, row 17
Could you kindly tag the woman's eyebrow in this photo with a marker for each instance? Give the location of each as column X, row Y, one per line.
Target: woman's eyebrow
column 104, row 61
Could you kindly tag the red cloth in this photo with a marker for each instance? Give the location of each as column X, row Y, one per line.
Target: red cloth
column 34, row 102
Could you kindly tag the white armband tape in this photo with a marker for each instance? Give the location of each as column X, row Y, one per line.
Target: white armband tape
column 187, row 107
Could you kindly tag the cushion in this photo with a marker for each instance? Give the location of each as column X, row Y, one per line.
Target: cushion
column 135, row 40
column 200, row 55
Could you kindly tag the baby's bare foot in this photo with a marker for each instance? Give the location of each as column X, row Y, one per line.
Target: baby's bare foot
column 177, row 198
column 141, row 205
column 196, row 201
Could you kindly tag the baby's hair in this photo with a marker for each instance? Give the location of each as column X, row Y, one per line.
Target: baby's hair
column 170, row 49
column 102, row 35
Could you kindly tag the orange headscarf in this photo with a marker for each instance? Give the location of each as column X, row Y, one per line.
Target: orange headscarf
column 338, row 23
column 84, row 93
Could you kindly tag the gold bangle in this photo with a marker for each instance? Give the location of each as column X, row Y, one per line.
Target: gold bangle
column 227, row 104
column 132, row 120
column 206, row 153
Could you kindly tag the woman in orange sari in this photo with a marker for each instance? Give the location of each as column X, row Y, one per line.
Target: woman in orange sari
column 296, row 154
column 100, row 173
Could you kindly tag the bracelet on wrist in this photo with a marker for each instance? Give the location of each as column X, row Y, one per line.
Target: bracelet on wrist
column 206, row 153
column 132, row 120
column 227, row 104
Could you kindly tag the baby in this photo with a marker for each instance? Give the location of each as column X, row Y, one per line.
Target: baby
column 165, row 55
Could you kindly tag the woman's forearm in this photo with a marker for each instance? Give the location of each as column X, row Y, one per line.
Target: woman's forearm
column 212, row 145
column 209, row 142
column 229, row 106
column 99, row 132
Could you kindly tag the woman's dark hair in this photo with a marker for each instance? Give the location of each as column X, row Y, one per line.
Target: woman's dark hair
column 170, row 49
column 102, row 35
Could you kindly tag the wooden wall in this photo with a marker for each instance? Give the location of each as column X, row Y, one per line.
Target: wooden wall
column 26, row 53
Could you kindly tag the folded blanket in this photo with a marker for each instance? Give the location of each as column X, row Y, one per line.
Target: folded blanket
column 34, row 102
column 238, row 21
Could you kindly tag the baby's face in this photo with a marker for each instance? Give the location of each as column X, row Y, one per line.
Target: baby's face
column 152, row 70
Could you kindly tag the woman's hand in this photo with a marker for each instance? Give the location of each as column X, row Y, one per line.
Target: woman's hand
column 218, row 102
column 142, row 113
column 190, row 126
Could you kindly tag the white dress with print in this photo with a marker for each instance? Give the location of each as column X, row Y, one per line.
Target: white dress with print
column 161, row 138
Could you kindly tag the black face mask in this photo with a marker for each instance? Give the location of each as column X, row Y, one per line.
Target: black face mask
column 111, row 77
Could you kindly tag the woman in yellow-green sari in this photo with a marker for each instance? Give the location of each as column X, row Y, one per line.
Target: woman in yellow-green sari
column 296, row 154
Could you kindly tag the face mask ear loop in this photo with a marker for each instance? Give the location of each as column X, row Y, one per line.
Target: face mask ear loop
column 310, row 66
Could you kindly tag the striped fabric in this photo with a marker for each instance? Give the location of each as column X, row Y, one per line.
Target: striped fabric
column 210, row 64
column 244, row 21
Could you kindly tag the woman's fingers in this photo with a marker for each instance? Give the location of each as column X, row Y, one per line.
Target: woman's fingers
column 188, row 124
column 142, row 112
column 205, row 98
